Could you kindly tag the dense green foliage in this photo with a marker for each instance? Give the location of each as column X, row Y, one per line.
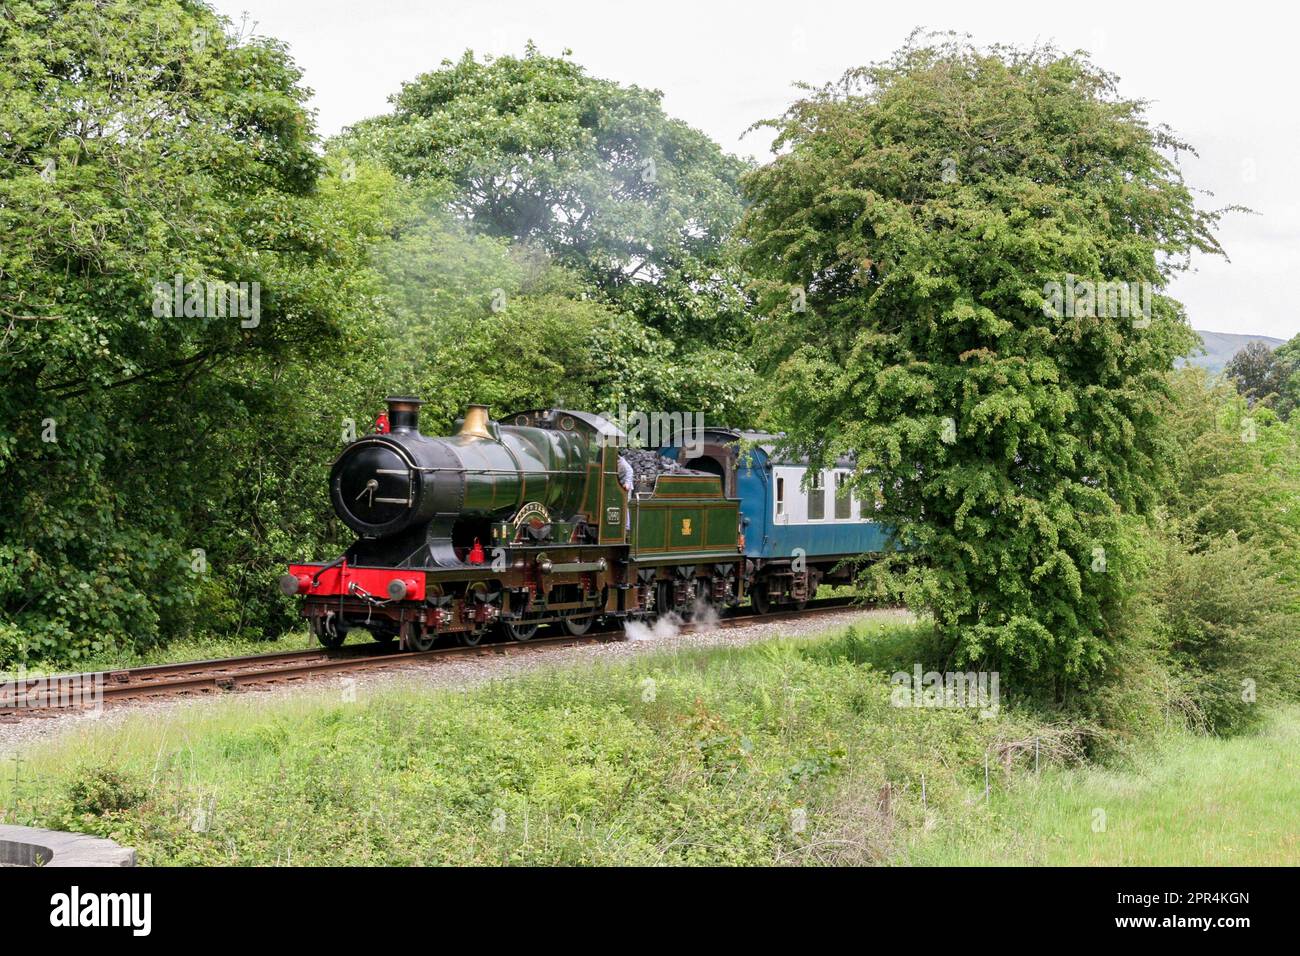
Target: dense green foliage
column 908, row 233
column 1259, row 374
column 1268, row 375
column 1107, row 535
column 1227, row 585
column 541, row 153
column 159, row 462
column 1289, row 355
column 592, row 194
column 141, row 142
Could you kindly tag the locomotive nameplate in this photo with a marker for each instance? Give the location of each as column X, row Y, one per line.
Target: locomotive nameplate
column 533, row 509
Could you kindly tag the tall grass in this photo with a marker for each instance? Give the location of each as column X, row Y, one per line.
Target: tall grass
column 1196, row 801
column 773, row 753
column 785, row 752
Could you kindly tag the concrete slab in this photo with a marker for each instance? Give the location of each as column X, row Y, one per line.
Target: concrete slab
column 30, row 846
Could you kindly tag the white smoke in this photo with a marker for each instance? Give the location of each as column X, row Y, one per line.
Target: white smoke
column 704, row 615
column 669, row 625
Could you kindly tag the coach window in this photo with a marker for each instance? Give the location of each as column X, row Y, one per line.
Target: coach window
column 843, row 497
column 816, row 497
column 780, row 495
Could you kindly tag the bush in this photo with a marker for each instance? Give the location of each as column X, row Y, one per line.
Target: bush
column 1227, row 618
column 102, row 790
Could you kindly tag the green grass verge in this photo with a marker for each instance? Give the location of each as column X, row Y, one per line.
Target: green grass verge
column 782, row 752
column 1194, row 801
column 786, row 752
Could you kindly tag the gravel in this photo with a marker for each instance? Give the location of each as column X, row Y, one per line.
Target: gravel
column 451, row 673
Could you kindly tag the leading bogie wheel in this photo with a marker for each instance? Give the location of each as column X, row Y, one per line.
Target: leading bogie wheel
column 329, row 631
column 415, row 638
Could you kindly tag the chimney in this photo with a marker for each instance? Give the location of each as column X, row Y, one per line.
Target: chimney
column 475, row 424
column 404, row 413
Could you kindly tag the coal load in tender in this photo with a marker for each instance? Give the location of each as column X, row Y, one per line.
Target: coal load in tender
column 647, row 465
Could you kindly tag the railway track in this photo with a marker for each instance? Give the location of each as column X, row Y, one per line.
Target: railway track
column 45, row 695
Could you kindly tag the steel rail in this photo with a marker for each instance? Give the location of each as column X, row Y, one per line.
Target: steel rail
column 37, row 695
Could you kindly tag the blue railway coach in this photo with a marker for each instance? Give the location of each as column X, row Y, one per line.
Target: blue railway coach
column 796, row 537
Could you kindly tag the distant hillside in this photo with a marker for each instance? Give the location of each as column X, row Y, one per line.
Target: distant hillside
column 1220, row 347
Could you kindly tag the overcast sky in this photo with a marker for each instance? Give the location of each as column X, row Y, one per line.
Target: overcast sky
column 1223, row 77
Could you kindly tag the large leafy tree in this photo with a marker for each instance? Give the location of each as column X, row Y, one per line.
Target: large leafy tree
column 1288, row 355
column 539, row 152
column 907, row 234
column 139, row 142
column 1259, row 373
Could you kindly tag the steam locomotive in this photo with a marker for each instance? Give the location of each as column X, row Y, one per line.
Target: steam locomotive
column 522, row 522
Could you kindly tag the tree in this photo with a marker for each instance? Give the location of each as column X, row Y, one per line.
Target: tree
column 141, row 444
column 1227, row 588
column 1258, row 372
column 472, row 318
column 1288, row 354
column 539, row 152
column 931, row 238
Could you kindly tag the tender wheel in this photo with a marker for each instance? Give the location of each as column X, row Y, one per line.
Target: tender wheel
column 329, row 630
column 518, row 630
column 472, row 638
column 664, row 599
column 414, row 638
column 759, row 599
column 578, row 626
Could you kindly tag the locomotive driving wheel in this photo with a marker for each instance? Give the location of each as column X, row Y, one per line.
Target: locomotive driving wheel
column 578, row 626
column 519, row 630
column 759, row 599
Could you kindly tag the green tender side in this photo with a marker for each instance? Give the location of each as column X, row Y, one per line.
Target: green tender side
column 686, row 519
